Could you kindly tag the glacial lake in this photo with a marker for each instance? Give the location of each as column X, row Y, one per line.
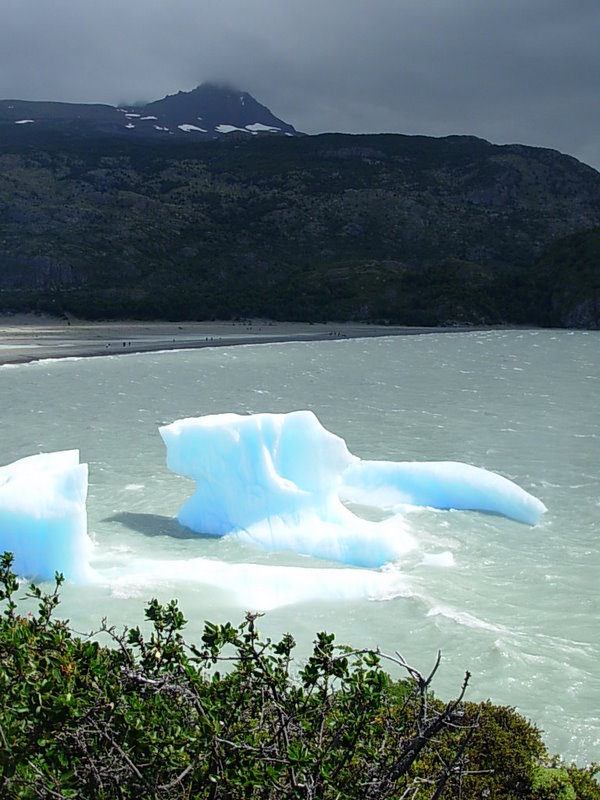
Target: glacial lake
column 519, row 607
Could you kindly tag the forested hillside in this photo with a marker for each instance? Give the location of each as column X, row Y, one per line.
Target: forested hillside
column 405, row 229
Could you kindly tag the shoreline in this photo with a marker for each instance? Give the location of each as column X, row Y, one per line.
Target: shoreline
column 27, row 337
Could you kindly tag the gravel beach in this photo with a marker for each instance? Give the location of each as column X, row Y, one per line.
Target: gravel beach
column 25, row 337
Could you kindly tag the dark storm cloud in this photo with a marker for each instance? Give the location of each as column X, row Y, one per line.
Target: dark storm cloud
column 507, row 70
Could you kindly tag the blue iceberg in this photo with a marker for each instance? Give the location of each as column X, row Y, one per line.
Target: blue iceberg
column 438, row 484
column 278, row 481
column 43, row 518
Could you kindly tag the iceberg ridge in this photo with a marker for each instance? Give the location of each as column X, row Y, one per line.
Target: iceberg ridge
column 278, row 480
column 438, row 484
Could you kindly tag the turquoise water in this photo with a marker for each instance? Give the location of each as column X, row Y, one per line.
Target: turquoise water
column 520, row 606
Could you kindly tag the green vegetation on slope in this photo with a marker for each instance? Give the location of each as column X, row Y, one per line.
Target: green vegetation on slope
column 574, row 302
column 379, row 227
column 154, row 717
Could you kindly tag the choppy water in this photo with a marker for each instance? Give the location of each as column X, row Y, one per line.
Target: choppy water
column 519, row 608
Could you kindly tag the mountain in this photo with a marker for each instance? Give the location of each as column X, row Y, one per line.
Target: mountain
column 101, row 220
column 211, row 110
column 208, row 112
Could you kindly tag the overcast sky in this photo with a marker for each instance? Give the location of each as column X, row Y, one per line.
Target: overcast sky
column 524, row 71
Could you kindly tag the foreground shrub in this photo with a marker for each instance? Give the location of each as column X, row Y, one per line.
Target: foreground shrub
column 235, row 717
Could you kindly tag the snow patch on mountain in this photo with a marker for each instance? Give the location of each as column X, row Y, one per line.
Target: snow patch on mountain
column 187, row 128
column 255, row 127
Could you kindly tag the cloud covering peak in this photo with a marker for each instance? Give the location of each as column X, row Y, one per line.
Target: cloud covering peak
column 502, row 70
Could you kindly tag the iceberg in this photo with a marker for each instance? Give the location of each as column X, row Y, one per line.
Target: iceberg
column 43, row 518
column 438, row 484
column 278, row 481
column 272, row 480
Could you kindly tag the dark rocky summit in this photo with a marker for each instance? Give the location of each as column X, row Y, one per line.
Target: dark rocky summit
column 207, row 112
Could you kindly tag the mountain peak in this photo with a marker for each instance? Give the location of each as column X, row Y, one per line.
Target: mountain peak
column 209, row 111
column 214, row 109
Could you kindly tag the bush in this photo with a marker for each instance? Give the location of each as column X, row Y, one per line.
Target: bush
column 235, row 717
